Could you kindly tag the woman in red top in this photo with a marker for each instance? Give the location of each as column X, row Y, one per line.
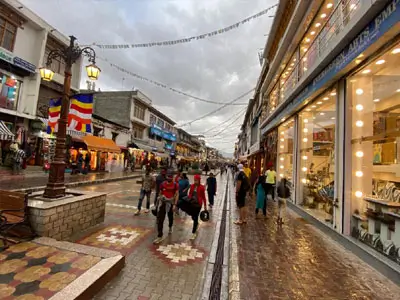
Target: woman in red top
column 197, row 192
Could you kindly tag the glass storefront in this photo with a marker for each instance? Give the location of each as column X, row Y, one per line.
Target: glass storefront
column 374, row 94
column 317, row 127
column 286, row 152
column 9, row 91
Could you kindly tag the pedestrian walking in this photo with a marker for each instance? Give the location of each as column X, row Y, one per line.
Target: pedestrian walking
column 211, row 185
column 169, row 194
column 242, row 187
column 197, row 198
column 159, row 180
column 261, row 196
column 80, row 163
column 283, row 194
column 147, row 186
column 184, row 186
column 270, row 181
column 18, row 158
column 87, row 163
column 206, row 168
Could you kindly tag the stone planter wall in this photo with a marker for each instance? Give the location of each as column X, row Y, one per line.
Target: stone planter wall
column 61, row 219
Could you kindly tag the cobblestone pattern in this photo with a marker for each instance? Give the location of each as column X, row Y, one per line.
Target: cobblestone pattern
column 151, row 272
column 66, row 220
column 297, row 261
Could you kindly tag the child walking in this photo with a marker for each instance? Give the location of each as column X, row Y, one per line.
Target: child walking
column 283, row 195
column 260, row 190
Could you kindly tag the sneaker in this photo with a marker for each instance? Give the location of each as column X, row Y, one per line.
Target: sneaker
column 158, row 240
column 193, row 236
column 146, row 211
column 210, row 206
column 170, row 230
column 137, row 212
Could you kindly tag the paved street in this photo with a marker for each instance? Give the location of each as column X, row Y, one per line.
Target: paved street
column 20, row 182
column 297, row 261
column 172, row 270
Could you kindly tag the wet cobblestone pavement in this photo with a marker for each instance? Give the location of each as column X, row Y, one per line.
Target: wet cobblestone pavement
column 171, row 270
column 298, row 261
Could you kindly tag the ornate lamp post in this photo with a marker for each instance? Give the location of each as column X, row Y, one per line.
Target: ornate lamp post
column 56, row 185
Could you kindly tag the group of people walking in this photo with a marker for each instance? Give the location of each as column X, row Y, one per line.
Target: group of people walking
column 174, row 194
column 248, row 183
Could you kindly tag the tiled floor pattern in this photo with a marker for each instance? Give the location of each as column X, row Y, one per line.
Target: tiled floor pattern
column 32, row 271
column 171, row 270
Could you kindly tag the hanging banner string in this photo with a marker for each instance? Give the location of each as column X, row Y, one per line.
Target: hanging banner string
column 217, row 110
column 123, row 70
column 189, row 39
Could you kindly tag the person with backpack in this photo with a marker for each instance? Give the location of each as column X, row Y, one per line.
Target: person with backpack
column 166, row 204
column 283, row 195
column 242, row 187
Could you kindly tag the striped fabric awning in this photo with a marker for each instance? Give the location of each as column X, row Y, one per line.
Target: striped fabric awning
column 5, row 133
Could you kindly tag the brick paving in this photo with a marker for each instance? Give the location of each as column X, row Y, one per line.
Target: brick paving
column 297, row 261
column 172, row 270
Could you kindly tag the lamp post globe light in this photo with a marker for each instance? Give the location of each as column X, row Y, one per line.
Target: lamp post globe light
column 56, row 183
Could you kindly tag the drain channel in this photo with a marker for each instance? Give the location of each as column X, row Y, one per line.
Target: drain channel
column 216, row 281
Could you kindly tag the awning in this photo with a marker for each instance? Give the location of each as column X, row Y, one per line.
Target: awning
column 5, row 133
column 100, row 144
column 141, row 146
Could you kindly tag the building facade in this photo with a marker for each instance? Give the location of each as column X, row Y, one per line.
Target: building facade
column 330, row 121
column 24, row 41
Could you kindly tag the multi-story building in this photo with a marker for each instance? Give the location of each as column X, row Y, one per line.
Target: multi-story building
column 25, row 39
column 188, row 146
column 151, row 130
column 329, row 121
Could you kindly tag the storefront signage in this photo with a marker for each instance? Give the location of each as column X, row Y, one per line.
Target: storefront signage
column 156, row 130
column 17, row 61
column 389, row 17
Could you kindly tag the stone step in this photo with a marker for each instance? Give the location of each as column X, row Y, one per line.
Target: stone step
column 105, row 266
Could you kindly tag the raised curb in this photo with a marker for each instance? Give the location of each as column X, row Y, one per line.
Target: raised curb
column 80, row 183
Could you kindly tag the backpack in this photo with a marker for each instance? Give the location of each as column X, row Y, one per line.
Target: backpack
column 245, row 182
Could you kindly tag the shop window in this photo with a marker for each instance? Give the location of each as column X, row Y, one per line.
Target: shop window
column 9, row 91
column 8, row 33
column 317, row 127
column 139, row 112
column 97, row 130
column 374, row 94
column 285, row 153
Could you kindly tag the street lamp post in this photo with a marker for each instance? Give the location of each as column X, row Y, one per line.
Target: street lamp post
column 56, row 183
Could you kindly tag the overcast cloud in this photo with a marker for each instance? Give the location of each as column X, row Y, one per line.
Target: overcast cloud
column 219, row 68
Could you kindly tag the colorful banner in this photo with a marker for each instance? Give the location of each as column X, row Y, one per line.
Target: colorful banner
column 80, row 113
column 54, row 115
column 187, row 39
column 79, row 117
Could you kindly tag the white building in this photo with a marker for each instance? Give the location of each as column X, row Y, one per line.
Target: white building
column 25, row 41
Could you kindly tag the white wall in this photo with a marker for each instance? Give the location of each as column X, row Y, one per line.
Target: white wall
column 122, row 138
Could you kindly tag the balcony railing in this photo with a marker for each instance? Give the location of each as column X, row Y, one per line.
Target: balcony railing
column 335, row 24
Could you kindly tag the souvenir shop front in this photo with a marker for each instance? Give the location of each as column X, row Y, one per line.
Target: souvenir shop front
column 338, row 140
column 104, row 154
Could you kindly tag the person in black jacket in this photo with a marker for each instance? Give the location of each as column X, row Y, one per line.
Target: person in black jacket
column 283, row 195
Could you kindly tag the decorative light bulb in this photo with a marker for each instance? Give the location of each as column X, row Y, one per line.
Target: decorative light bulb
column 359, row 154
column 305, row 120
column 305, row 140
column 305, row 130
column 359, row 123
column 305, row 157
column 304, row 169
column 359, row 91
column 358, row 194
column 304, row 180
column 359, row 107
column 359, row 174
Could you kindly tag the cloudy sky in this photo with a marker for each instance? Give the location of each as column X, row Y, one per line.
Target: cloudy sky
column 218, row 68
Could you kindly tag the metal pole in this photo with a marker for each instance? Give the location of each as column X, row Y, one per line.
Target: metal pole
column 56, row 184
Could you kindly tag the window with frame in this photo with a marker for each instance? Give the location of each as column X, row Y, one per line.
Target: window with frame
column 153, row 119
column 139, row 112
column 168, row 127
column 97, row 130
column 137, row 132
column 114, row 136
column 160, row 123
column 8, row 32
column 57, row 64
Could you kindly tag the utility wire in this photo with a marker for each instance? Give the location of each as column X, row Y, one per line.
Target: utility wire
column 218, row 109
column 224, row 122
column 162, row 85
